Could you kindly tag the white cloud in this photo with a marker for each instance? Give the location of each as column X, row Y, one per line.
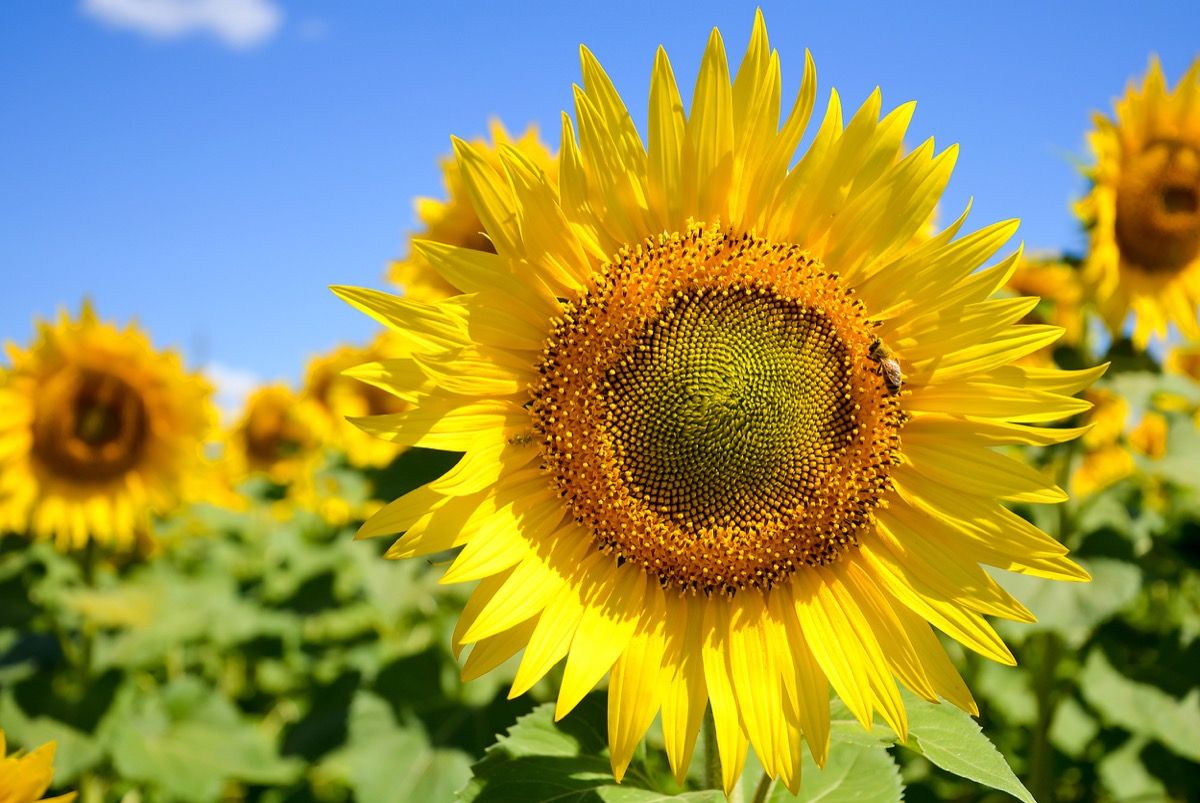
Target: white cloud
column 237, row 23
column 232, row 386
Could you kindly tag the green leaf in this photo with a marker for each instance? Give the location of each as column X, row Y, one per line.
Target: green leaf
column 567, row 762
column 1072, row 728
column 188, row 742
column 77, row 751
column 1072, row 610
column 1007, row 691
column 383, row 761
column 852, row 772
column 952, row 740
column 1142, row 709
column 1127, row 778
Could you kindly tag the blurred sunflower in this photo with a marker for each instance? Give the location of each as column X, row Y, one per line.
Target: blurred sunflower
column 97, row 431
column 25, row 778
column 454, row 221
column 1143, row 211
column 278, row 434
column 1184, row 359
column 339, row 396
column 1056, row 284
column 728, row 433
column 1105, row 460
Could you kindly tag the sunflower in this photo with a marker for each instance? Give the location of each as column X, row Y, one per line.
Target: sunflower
column 454, row 221
column 278, row 435
column 1143, row 211
column 1105, row 459
column 1056, row 284
column 338, row 396
column 97, row 430
column 728, row 433
column 25, row 778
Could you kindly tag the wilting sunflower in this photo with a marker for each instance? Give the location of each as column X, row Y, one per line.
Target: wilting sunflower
column 97, row 430
column 278, row 434
column 728, row 434
column 1143, row 211
column 454, row 221
column 25, row 778
column 338, row 396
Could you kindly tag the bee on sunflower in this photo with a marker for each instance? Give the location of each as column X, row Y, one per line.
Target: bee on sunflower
column 686, row 463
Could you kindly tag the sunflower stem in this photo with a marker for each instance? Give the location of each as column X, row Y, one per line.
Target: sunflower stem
column 762, row 792
column 1041, row 772
column 86, row 636
column 712, row 757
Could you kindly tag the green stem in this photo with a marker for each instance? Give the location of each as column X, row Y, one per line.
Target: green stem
column 713, row 778
column 87, row 636
column 1041, row 771
column 762, row 792
column 712, row 756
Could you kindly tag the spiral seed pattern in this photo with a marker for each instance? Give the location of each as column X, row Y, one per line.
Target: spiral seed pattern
column 709, row 409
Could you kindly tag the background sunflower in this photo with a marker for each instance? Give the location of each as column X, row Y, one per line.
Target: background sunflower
column 97, row 431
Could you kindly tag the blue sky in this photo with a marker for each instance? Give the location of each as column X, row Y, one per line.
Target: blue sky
column 208, row 167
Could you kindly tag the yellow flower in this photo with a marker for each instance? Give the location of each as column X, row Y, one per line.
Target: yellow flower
column 278, row 434
column 1149, row 437
column 1105, row 460
column 1143, row 211
column 97, row 430
column 454, row 221
column 1184, row 360
column 1101, row 468
column 1057, row 286
column 339, row 397
column 25, row 778
column 728, row 433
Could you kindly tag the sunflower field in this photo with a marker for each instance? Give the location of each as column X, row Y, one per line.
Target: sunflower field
column 712, row 461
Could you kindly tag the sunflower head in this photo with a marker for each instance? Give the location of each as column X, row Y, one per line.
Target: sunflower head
column 25, row 778
column 727, row 421
column 454, row 220
column 97, row 430
column 339, row 398
column 1143, row 210
column 278, row 435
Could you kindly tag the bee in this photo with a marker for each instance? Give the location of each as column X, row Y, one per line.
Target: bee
column 889, row 368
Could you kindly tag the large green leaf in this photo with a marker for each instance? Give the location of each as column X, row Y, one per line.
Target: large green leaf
column 187, row 741
column 384, row 762
column 567, row 762
column 1142, row 709
column 864, row 774
column 952, row 740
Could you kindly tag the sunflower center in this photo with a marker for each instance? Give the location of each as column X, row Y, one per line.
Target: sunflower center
column 1158, row 207
column 271, row 435
column 710, row 410
column 90, row 426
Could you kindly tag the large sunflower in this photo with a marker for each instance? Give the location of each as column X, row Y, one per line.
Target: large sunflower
column 97, row 430
column 728, row 433
column 25, row 778
column 1143, row 211
column 454, row 220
